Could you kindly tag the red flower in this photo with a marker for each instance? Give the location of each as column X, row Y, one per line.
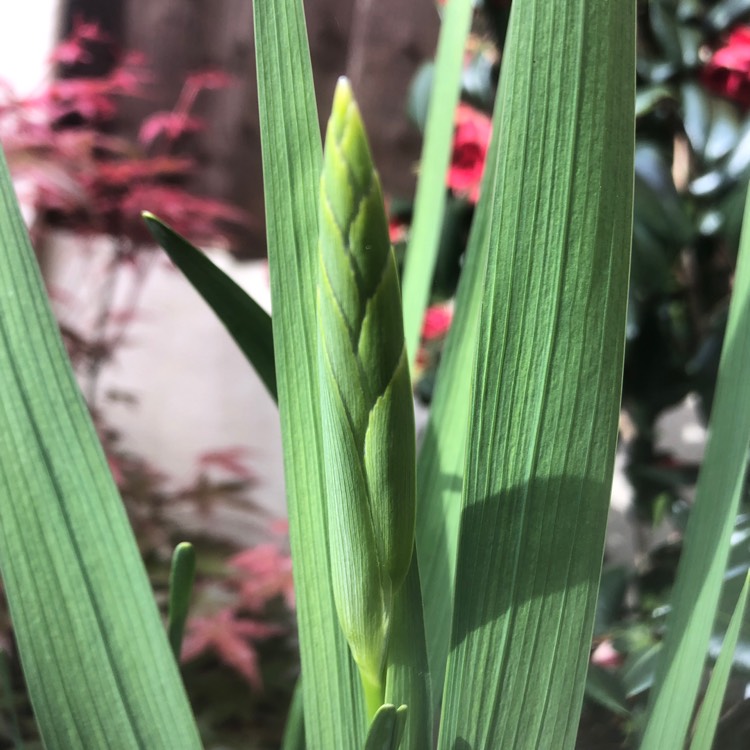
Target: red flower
column 728, row 71
column 397, row 231
column 437, row 321
column 470, row 143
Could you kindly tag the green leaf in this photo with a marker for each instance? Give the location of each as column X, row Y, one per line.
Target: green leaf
column 708, row 715
column 96, row 658
column 420, row 91
column 408, row 678
column 429, row 204
column 638, row 670
column 181, row 577
column 734, row 580
column 606, row 689
column 294, row 731
column 650, row 98
column 387, row 728
column 292, row 157
column 725, row 12
column 663, row 23
column 609, row 603
column 440, row 464
column 707, row 538
column 547, row 378
column 245, row 320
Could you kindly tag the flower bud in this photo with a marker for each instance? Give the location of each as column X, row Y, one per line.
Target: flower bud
column 365, row 390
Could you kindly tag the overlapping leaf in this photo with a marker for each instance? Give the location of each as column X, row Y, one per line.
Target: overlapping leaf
column 547, row 379
column 430, row 199
column 292, row 155
column 95, row 654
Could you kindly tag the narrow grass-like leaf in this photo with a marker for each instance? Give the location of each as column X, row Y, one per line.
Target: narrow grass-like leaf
column 638, row 670
column 547, row 379
column 408, row 679
column 429, row 205
column 294, row 731
column 245, row 320
column 181, row 577
column 708, row 715
column 707, row 538
column 292, row 157
column 440, row 464
column 607, row 690
column 387, row 728
column 98, row 665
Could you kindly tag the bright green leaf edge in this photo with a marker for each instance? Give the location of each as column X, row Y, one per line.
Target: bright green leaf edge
column 547, row 379
column 708, row 715
column 98, row 666
column 387, row 728
column 695, row 596
column 245, row 320
column 429, row 204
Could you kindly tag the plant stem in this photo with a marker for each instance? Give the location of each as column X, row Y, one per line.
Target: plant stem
column 374, row 694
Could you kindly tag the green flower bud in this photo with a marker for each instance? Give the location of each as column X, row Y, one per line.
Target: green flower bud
column 366, row 398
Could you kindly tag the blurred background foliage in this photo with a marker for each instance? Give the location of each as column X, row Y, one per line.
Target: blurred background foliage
column 75, row 172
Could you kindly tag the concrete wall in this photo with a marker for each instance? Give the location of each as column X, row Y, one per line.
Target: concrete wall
column 28, row 31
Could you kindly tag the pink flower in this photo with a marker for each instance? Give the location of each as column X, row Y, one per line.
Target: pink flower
column 437, row 321
column 605, row 655
column 728, row 71
column 397, row 231
column 471, row 141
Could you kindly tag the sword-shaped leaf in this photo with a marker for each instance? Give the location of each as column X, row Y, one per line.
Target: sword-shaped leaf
column 547, row 378
column 245, row 320
column 292, row 157
column 98, row 665
column 429, row 202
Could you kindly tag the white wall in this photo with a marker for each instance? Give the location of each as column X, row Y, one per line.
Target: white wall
column 28, row 30
column 195, row 392
column 194, row 389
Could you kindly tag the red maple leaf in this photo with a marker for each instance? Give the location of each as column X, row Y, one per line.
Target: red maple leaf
column 230, row 638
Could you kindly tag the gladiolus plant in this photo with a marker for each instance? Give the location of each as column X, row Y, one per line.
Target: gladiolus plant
column 453, row 587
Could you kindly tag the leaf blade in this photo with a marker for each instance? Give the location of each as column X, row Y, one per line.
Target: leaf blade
column 706, row 547
column 75, row 583
column 708, row 715
column 292, row 157
column 429, row 205
column 547, row 378
column 245, row 320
